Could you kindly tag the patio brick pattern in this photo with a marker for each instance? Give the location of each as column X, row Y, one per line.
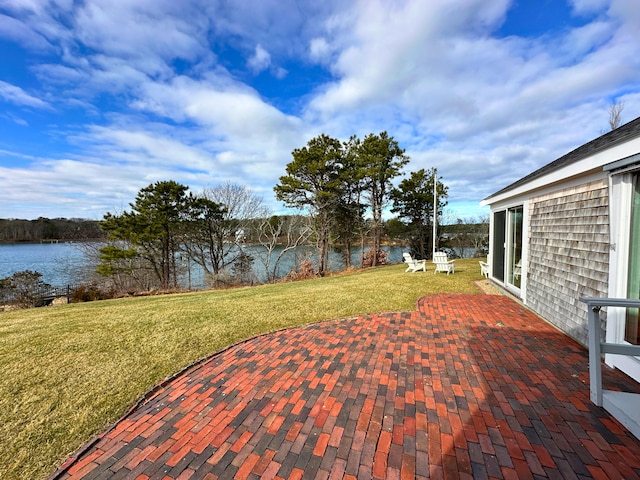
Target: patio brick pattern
column 465, row 386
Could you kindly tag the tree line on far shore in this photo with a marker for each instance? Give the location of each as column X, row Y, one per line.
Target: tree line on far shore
column 49, row 229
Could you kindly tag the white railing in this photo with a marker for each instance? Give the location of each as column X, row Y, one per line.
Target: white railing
column 622, row 405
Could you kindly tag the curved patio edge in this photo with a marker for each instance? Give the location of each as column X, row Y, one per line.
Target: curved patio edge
column 475, row 385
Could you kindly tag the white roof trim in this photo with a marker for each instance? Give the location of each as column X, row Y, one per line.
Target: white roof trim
column 625, row 164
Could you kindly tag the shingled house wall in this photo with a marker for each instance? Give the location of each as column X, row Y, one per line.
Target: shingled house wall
column 568, row 254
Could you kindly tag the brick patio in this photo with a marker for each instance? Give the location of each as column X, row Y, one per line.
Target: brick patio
column 466, row 386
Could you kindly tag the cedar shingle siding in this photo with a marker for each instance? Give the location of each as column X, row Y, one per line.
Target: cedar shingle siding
column 568, row 254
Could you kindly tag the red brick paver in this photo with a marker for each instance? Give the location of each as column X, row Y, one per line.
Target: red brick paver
column 466, row 386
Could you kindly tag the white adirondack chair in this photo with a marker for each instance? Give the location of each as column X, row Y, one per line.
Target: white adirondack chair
column 518, row 270
column 414, row 265
column 484, row 269
column 443, row 264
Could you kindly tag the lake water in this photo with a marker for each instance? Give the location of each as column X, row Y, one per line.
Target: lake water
column 69, row 263
column 59, row 263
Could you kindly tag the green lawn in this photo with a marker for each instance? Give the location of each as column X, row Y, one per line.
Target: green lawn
column 70, row 371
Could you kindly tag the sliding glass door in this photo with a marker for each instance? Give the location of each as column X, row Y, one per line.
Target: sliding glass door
column 498, row 245
column 506, row 247
column 631, row 333
column 514, row 247
column 623, row 325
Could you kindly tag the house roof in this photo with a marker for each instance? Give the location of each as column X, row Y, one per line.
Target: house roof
column 619, row 135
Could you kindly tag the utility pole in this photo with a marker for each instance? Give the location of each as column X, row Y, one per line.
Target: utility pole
column 435, row 210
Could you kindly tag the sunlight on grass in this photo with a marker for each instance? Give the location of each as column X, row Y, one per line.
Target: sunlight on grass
column 68, row 372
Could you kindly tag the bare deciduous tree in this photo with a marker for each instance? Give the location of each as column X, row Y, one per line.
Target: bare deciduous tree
column 242, row 203
column 615, row 114
column 222, row 242
column 280, row 234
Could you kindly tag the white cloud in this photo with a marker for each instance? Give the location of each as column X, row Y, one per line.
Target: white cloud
column 147, row 33
column 228, row 109
column 260, row 61
column 45, row 187
column 319, row 50
column 149, row 148
column 627, row 12
column 18, row 96
column 394, row 47
column 587, row 7
column 15, row 119
column 15, row 30
column 280, row 73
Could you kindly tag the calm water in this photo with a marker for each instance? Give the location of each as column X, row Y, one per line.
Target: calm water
column 59, row 263
column 69, row 263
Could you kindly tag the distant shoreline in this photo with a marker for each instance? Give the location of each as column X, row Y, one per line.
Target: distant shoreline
column 54, row 241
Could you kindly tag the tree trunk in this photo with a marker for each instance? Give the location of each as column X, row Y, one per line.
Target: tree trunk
column 347, row 255
column 323, row 256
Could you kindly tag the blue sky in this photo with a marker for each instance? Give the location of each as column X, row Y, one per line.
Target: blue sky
column 101, row 98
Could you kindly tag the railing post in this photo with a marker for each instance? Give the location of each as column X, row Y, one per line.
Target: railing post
column 595, row 365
